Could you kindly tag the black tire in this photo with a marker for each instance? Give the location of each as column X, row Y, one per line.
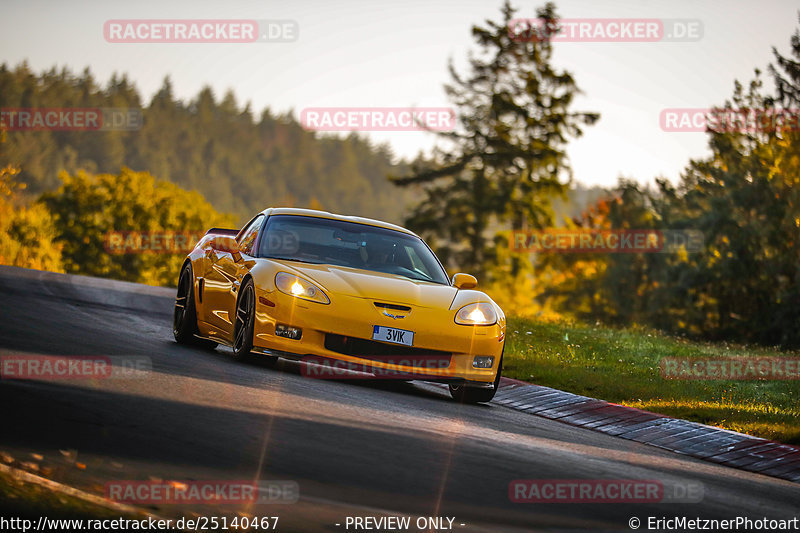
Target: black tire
column 463, row 394
column 184, row 317
column 244, row 326
column 244, row 322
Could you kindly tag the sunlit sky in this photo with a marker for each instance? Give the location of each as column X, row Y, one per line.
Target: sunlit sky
column 375, row 53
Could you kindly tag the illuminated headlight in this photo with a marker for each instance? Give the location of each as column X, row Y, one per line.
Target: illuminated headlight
column 300, row 288
column 481, row 314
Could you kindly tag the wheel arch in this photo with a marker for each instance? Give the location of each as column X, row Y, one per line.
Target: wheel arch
column 188, row 261
column 247, row 277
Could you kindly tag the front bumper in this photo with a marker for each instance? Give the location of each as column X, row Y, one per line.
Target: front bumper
column 435, row 331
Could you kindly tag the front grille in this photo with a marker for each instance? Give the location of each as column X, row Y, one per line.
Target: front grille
column 387, row 353
column 394, row 307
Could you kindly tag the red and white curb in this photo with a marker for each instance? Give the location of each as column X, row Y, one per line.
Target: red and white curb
column 681, row 436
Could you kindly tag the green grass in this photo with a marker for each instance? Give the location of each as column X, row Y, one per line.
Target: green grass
column 622, row 366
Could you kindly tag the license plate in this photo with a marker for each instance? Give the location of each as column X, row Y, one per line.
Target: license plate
column 393, row 335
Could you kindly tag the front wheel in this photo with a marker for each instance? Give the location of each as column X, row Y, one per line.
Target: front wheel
column 464, row 394
column 244, row 326
column 245, row 322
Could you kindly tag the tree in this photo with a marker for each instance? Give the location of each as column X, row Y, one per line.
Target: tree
column 612, row 287
column 744, row 198
column 26, row 231
column 506, row 159
column 241, row 161
column 88, row 208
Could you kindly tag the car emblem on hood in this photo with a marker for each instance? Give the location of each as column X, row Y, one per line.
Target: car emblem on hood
column 390, row 315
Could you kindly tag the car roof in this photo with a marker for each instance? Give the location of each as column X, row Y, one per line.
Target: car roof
column 333, row 216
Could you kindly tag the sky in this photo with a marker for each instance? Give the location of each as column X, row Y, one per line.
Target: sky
column 376, row 53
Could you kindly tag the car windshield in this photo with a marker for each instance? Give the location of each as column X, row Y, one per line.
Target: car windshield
column 324, row 241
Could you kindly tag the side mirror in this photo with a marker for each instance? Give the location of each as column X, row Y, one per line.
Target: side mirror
column 225, row 243
column 464, row 281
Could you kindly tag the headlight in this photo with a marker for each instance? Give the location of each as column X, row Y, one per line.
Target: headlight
column 481, row 314
column 300, row 288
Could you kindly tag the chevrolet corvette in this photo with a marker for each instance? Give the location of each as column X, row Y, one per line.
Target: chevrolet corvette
column 353, row 293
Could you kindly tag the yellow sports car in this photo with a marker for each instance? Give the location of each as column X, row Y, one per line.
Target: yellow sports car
column 350, row 296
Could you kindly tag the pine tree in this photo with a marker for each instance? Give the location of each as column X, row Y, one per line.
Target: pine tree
column 506, row 159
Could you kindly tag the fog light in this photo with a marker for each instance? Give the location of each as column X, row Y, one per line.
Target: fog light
column 483, row 361
column 282, row 330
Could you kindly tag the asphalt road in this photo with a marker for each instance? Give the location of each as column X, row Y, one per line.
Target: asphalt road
column 355, row 448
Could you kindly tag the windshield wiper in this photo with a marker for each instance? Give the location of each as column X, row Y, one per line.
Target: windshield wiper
column 429, row 280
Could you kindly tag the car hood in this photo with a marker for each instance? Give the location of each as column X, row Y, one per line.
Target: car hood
column 376, row 286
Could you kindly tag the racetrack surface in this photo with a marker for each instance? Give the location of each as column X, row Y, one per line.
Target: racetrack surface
column 355, row 448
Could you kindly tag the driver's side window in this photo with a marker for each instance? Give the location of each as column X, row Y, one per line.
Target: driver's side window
column 248, row 237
